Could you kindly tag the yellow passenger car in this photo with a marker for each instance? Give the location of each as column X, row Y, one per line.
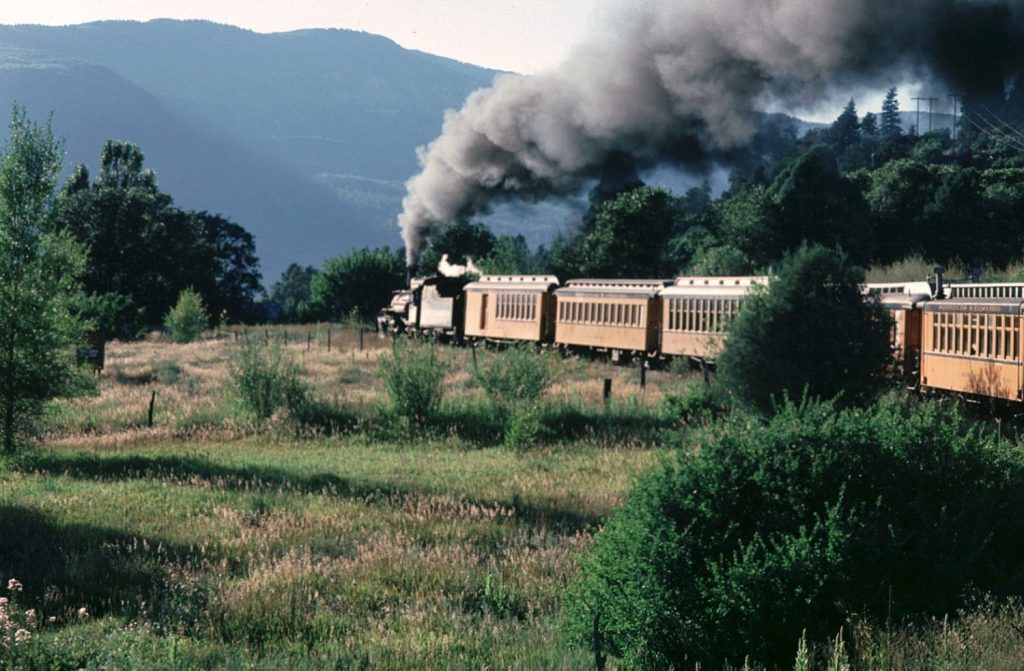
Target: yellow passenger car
column 971, row 341
column 511, row 307
column 697, row 311
column 617, row 316
column 902, row 301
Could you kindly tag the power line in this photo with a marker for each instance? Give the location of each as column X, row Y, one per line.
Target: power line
column 956, row 106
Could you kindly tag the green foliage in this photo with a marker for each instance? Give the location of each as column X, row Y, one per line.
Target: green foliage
column 143, row 250
column 810, row 332
column 510, row 256
column 699, row 404
column 630, row 235
column 40, row 289
column 412, row 375
column 356, row 283
column 292, row 290
column 263, row 379
column 817, row 204
column 187, row 320
column 460, row 240
column 513, row 376
column 797, row 523
column 514, row 380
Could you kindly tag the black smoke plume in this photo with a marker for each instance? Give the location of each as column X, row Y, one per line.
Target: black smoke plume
column 682, row 81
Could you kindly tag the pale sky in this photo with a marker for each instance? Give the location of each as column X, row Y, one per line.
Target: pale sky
column 516, row 35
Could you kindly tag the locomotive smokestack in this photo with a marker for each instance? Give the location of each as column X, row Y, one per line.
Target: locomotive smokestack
column 681, row 81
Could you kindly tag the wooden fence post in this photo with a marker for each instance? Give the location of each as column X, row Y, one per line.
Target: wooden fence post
column 152, row 402
column 607, row 388
column 643, row 374
column 328, row 340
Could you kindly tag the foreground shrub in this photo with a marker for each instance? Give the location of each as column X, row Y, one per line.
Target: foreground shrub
column 263, row 380
column 794, row 524
column 187, row 320
column 412, row 376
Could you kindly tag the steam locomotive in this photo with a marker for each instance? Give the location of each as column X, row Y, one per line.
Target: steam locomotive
column 961, row 337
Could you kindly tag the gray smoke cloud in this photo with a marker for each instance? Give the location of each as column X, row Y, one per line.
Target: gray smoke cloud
column 681, row 81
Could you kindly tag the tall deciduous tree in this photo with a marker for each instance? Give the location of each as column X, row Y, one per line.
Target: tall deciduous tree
column 39, row 281
column 357, row 283
column 144, row 251
column 629, row 236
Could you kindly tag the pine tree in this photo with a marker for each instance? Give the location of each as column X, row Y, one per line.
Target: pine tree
column 891, row 127
column 846, row 128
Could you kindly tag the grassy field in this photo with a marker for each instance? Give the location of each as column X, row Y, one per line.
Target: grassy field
column 207, row 542
column 212, row 541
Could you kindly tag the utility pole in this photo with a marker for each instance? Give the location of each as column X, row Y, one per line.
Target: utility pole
column 955, row 97
column 917, row 130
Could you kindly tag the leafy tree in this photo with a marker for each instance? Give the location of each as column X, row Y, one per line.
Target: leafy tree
column 357, row 283
column 460, row 240
column 796, row 524
column 144, row 251
column 817, row 204
column 40, row 272
column 810, row 332
column 236, row 280
column 187, row 320
column 958, row 227
column 292, row 290
column 510, row 256
column 748, row 220
column 630, row 236
column 897, row 194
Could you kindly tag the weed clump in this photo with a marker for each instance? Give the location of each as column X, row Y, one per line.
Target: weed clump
column 263, row 380
column 514, row 380
column 412, row 375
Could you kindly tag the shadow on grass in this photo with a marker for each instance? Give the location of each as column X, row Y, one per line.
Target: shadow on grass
column 255, row 478
column 64, row 567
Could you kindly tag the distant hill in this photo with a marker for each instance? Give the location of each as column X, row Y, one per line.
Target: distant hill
column 304, row 138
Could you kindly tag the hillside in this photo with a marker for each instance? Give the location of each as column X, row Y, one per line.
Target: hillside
column 302, row 137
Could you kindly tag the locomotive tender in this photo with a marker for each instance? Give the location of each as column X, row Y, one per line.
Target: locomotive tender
column 964, row 338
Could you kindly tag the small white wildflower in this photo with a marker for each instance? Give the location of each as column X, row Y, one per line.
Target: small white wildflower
column 3, row 604
column 13, row 585
column 5, row 642
column 30, row 617
column 83, row 614
column 52, row 619
column 22, row 636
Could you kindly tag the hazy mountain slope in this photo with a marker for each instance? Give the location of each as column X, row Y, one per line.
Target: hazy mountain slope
column 292, row 217
column 331, row 101
column 305, row 138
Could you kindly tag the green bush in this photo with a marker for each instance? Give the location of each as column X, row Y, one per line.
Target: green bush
column 263, row 380
column 810, row 332
column 795, row 523
column 412, row 376
column 514, row 376
column 698, row 404
column 187, row 320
